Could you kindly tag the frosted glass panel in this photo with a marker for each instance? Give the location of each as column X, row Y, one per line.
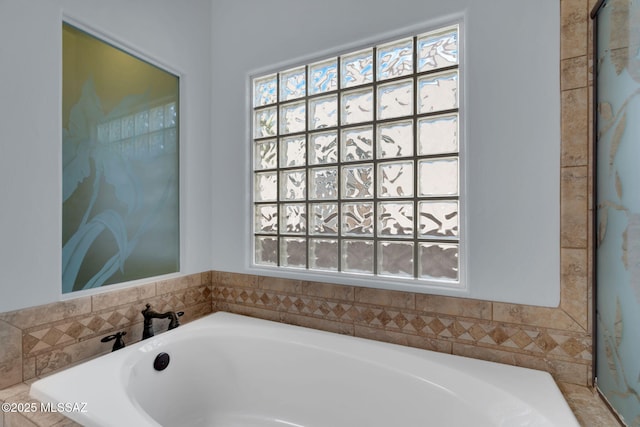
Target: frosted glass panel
column 323, row 76
column 170, row 115
column 265, row 123
column 357, row 144
column 323, row 183
column 395, row 59
column 357, row 106
column 617, row 237
column 438, row 135
column 438, row 261
column 293, row 185
column 156, row 118
column 265, row 90
column 266, row 219
column 438, row 219
column 438, row 177
column 293, row 252
column 142, row 122
column 293, row 84
column 395, row 258
column 357, row 219
column 114, row 131
column 395, row 139
column 395, row 99
column 357, row 182
column 324, row 147
column 324, row 218
column 293, row 151
column 265, row 155
column 357, row 68
column 266, row 187
column 357, row 256
column 293, row 118
column 437, row 49
column 266, row 250
column 395, row 219
column 323, row 112
column 293, row 218
column 395, row 179
column 128, row 126
column 438, row 92
column 323, row 254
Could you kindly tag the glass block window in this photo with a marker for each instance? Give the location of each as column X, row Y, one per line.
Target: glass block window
column 356, row 162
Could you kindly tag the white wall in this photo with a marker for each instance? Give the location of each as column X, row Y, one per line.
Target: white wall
column 512, row 103
column 174, row 33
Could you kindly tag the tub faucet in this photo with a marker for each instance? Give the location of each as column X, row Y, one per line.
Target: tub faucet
column 149, row 315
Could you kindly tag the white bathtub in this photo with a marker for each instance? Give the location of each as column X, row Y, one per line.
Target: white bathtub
column 230, row 370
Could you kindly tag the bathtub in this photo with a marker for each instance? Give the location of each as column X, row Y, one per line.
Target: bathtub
column 231, row 370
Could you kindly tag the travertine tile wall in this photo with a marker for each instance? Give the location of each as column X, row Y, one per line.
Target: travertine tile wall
column 558, row 340
column 39, row 340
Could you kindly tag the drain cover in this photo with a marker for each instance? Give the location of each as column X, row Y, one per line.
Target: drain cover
column 161, row 362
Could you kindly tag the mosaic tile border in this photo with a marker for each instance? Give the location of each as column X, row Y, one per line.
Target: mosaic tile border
column 452, row 325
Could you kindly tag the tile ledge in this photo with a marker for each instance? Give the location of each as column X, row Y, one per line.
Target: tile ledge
column 587, row 405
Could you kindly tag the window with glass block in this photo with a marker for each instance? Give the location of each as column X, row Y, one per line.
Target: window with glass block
column 356, row 163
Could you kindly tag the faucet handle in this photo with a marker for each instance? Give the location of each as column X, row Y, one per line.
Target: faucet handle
column 119, row 342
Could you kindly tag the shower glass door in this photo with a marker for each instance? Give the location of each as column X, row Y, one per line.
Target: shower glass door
column 617, row 231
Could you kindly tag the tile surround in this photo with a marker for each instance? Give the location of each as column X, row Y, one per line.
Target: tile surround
column 43, row 339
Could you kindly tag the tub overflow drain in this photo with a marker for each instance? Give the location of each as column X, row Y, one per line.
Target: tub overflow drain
column 161, row 362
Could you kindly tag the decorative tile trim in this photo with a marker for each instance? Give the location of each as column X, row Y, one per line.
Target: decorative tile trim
column 551, row 339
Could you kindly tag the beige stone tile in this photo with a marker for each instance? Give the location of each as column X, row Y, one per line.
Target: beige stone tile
column 43, row 314
column 194, row 312
column 15, row 419
column 483, row 353
column 9, row 392
column 28, row 368
column 66, row 422
column 317, row 323
column 588, row 406
column 206, row 277
column 574, row 16
column 400, row 338
column 575, row 127
column 38, row 418
column 573, row 207
column 279, row 284
column 561, row 370
column 10, row 355
column 260, row 313
column 119, row 297
column 235, row 279
column 573, row 73
column 178, row 283
column 574, row 289
column 534, row 316
column 327, row 290
column 385, row 298
column 454, row 306
column 70, row 355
